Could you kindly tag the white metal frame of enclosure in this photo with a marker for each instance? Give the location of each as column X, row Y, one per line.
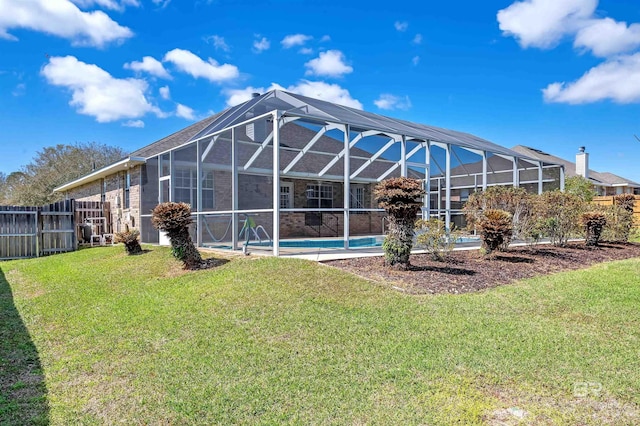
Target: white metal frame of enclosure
column 280, row 118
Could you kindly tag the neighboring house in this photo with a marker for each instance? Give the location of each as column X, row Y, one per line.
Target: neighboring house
column 605, row 183
column 311, row 186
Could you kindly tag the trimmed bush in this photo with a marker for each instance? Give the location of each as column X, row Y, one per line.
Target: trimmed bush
column 130, row 240
column 626, row 201
column 593, row 223
column 402, row 199
column 496, row 227
column 174, row 219
column 432, row 236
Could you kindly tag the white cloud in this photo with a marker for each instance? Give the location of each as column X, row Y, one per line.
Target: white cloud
column 185, row 112
column 107, row 4
column 543, row 23
column 60, row 18
column 237, row 96
column 330, row 63
column 295, row 40
column 149, row 65
column 415, row 60
column 417, row 39
column 607, row 37
column 165, row 93
column 313, row 89
column 306, row 51
column 19, row 90
column 401, row 26
column 325, row 91
column 617, row 80
column 261, row 44
column 161, row 3
column 325, row 38
column 218, row 42
column 389, row 101
column 193, row 65
column 96, row 93
column 139, row 124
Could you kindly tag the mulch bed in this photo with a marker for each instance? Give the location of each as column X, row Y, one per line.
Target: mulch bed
column 468, row 271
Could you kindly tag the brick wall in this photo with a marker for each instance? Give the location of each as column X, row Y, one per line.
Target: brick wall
column 114, row 194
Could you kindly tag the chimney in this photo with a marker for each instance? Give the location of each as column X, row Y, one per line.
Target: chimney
column 582, row 163
column 255, row 95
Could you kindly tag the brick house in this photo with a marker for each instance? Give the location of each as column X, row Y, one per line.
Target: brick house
column 318, row 183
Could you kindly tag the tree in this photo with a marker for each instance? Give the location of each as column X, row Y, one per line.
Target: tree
column 53, row 166
column 12, row 185
column 402, row 199
column 580, row 186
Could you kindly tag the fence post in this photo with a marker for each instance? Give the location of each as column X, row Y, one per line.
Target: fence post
column 38, row 233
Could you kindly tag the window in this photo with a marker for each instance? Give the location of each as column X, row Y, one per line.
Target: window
column 357, row 197
column 185, row 187
column 286, row 195
column 103, row 193
column 207, row 191
column 127, row 188
column 165, row 165
column 319, row 196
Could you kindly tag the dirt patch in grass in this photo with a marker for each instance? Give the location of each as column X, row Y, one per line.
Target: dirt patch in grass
column 468, row 271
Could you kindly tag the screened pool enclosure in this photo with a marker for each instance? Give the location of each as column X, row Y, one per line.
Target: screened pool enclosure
column 282, row 168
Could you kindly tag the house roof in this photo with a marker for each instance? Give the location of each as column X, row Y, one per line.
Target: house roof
column 597, row 178
column 318, row 110
column 315, row 110
column 175, row 139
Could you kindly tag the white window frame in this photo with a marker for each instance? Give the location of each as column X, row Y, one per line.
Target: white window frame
column 318, row 192
column 193, row 186
column 288, row 194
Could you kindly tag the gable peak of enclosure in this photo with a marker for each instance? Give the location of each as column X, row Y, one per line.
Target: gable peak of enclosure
column 314, row 189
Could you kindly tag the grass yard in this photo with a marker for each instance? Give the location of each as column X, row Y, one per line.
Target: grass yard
column 97, row 337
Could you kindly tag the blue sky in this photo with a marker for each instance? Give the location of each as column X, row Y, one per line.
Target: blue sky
column 550, row 74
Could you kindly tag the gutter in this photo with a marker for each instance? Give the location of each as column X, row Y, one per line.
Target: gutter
column 121, row 165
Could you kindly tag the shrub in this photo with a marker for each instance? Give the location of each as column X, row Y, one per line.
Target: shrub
column 496, row 227
column 174, row 219
column 580, row 186
column 508, row 198
column 626, row 201
column 593, row 223
column 130, row 240
column 558, row 214
column 432, row 236
column 619, row 223
column 402, row 199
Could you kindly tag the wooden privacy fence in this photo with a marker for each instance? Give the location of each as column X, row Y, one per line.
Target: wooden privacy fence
column 18, row 232
column 27, row 232
column 608, row 201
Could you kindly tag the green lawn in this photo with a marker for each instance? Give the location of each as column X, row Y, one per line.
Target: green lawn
column 134, row 340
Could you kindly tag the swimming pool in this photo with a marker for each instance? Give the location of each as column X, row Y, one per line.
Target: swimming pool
column 333, row 243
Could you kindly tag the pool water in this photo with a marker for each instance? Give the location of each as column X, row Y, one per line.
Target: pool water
column 334, row 243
